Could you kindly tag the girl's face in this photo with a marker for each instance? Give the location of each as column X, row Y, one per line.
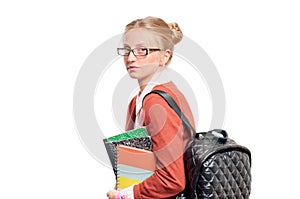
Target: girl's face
column 143, row 68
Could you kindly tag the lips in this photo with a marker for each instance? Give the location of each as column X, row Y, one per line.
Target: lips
column 131, row 67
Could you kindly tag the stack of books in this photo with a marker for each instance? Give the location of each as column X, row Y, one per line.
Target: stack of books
column 131, row 156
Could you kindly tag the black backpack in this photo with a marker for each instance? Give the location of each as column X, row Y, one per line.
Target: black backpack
column 216, row 166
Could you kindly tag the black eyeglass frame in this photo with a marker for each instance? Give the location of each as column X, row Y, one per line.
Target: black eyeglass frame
column 147, row 51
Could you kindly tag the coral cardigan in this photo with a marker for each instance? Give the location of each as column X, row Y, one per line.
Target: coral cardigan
column 169, row 139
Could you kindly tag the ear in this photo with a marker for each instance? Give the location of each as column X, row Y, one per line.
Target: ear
column 165, row 56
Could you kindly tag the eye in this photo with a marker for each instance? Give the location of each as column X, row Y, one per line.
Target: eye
column 127, row 49
column 140, row 51
column 124, row 51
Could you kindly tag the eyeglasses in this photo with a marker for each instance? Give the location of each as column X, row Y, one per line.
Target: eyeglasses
column 136, row 51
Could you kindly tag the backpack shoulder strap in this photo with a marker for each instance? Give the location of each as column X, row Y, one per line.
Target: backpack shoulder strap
column 171, row 102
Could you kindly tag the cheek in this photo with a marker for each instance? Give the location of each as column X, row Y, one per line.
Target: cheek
column 125, row 59
column 144, row 60
column 153, row 59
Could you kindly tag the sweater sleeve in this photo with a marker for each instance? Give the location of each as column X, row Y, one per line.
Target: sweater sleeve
column 169, row 140
column 130, row 116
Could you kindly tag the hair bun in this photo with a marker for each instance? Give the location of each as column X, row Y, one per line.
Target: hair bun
column 176, row 32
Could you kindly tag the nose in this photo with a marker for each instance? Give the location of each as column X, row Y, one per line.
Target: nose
column 131, row 57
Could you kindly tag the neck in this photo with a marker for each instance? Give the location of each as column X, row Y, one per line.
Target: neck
column 143, row 82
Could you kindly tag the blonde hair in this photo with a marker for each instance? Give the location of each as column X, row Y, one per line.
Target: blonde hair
column 168, row 34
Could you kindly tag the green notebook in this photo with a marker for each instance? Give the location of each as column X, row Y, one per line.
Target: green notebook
column 135, row 133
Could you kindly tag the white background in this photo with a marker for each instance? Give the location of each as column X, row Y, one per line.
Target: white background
column 254, row 45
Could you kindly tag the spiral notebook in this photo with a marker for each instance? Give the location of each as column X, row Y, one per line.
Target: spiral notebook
column 138, row 138
column 133, row 165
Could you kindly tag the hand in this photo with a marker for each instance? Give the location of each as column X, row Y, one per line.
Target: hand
column 112, row 194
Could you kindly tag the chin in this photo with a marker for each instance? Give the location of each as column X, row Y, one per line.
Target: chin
column 133, row 76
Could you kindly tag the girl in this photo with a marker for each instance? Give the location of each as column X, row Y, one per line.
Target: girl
column 147, row 49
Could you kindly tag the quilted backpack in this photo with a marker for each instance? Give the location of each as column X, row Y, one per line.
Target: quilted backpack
column 216, row 166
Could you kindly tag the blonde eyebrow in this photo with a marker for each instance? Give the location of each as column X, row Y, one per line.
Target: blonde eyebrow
column 136, row 46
